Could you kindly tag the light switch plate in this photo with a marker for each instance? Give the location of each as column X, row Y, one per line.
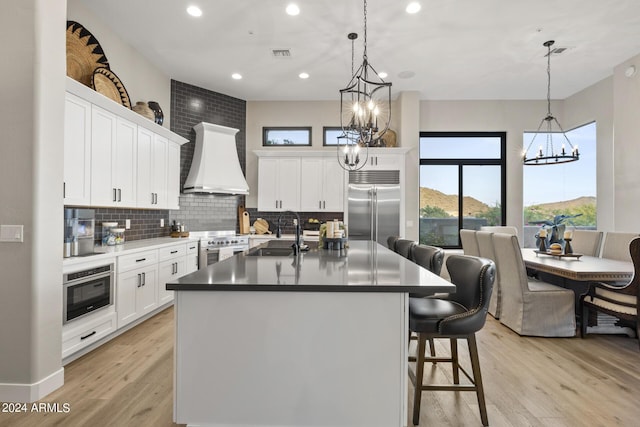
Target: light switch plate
column 127, row 224
column 161, row 222
column 12, row 233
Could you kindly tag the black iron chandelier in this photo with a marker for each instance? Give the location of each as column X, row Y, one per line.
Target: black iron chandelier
column 551, row 154
column 365, row 109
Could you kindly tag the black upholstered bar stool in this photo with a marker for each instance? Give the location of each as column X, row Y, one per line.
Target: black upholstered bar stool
column 391, row 242
column 459, row 316
column 404, row 247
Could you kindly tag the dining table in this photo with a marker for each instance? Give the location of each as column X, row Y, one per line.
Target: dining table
column 577, row 272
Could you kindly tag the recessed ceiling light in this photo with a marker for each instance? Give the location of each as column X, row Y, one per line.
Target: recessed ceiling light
column 303, row 75
column 293, row 9
column 194, row 11
column 413, row 7
column 382, row 75
column 236, row 76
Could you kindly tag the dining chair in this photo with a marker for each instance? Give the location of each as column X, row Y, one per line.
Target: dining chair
column 616, row 245
column 391, row 242
column 586, row 242
column 404, row 247
column 529, row 306
column 485, row 246
column 506, row 229
column 469, row 242
column 459, row 317
column 618, row 301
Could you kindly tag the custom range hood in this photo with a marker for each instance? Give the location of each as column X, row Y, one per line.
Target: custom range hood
column 215, row 167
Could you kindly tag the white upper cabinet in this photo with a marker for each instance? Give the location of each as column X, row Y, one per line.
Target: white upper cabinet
column 114, row 157
column 322, row 184
column 77, row 151
column 279, row 184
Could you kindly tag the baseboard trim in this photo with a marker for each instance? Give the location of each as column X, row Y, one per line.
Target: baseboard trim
column 27, row 393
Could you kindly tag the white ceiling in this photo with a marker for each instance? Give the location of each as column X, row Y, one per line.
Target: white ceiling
column 456, row 49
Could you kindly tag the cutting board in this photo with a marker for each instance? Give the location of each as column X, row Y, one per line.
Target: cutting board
column 261, row 226
column 243, row 220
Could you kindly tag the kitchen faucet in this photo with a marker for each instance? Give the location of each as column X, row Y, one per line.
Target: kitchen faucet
column 297, row 244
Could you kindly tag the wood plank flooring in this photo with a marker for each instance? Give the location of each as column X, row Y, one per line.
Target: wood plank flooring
column 528, row 382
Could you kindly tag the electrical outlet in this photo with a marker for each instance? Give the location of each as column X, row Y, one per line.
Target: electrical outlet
column 161, row 222
column 127, row 224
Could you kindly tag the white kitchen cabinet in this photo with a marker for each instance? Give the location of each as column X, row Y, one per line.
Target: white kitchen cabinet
column 378, row 161
column 137, row 286
column 151, row 170
column 279, row 184
column 172, row 265
column 88, row 330
column 77, row 151
column 173, row 176
column 113, row 160
column 322, row 184
column 192, row 257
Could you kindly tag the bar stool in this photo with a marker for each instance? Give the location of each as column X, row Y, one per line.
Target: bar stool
column 404, row 247
column 391, row 242
column 458, row 317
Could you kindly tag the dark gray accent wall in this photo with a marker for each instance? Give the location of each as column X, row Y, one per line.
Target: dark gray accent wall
column 191, row 105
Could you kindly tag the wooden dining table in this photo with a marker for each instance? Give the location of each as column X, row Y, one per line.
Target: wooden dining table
column 582, row 269
column 576, row 273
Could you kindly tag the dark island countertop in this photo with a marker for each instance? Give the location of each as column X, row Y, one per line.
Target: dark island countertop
column 362, row 267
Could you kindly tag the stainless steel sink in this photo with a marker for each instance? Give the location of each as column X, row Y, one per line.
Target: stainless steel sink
column 271, row 252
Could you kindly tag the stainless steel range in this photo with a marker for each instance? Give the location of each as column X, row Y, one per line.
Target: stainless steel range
column 219, row 245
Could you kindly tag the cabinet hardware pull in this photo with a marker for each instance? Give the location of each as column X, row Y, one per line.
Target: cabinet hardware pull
column 64, row 190
column 88, row 335
column 174, row 252
column 144, row 279
column 115, row 195
column 139, row 280
column 324, row 204
column 141, row 259
column 319, row 204
column 119, row 194
column 192, row 247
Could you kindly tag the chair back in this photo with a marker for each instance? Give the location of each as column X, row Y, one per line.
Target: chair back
column 391, row 242
column 469, row 242
column 473, row 277
column 404, row 247
column 586, row 242
column 509, row 262
column 616, row 245
column 429, row 257
column 506, row 229
column 485, row 244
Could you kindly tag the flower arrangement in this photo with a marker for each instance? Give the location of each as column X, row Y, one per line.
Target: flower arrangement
column 553, row 231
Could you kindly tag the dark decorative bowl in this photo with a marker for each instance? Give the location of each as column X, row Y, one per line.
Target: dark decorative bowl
column 157, row 111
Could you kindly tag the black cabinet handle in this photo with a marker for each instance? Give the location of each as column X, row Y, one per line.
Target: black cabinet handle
column 139, row 280
column 144, row 279
column 119, row 194
column 174, row 252
column 115, row 195
column 141, row 259
column 88, row 335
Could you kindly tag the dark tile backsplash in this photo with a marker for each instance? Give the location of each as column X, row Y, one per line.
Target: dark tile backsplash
column 145, row 223
column 287, row 218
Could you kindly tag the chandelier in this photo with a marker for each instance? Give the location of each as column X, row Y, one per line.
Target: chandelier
column 365, row 109
column 552, row 154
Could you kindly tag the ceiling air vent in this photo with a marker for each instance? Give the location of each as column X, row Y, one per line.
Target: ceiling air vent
column 281, row 53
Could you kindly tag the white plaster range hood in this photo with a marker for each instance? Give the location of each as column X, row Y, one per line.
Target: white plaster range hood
column 215, row 167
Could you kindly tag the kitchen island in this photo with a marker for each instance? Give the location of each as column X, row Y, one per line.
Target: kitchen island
column 320, row 339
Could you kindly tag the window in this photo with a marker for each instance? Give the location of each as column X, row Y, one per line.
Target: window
column 331, row 136
column 462, row 184
column 286, row 136
column 564, row 189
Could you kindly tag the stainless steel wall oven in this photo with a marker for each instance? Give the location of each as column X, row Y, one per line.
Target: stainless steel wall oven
column 87, row 290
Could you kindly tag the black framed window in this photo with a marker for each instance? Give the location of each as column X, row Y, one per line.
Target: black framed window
column 331, row 136
column 462, row 184
column 286, row 136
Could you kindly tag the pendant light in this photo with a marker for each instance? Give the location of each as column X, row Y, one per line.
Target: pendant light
column 551, row 154
column 365, row 109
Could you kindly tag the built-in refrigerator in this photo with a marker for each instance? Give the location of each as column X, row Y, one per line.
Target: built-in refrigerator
column 374, row 205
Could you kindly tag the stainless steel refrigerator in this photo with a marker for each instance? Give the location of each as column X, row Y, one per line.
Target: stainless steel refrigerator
column 374, row 205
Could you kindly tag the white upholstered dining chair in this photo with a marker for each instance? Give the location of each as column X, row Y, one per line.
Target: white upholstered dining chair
column 529, row 306
column 616, row 245
column 506, row 229
column 586, row 242
column 469, row 242
column 485, row 246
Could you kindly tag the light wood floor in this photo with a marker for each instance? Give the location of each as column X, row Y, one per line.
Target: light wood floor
column 528, row 382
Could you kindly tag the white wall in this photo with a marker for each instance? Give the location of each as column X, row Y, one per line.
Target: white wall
column 140, row 77
column 32, row 123
column 595, row 103
column 626, row 115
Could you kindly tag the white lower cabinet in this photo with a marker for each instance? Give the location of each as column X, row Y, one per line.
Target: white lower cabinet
column 136, row 286
column 192, row 258
column 84, row 332
column 172, row 265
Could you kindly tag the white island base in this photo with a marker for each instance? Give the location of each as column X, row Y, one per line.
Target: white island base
column 256, row 358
